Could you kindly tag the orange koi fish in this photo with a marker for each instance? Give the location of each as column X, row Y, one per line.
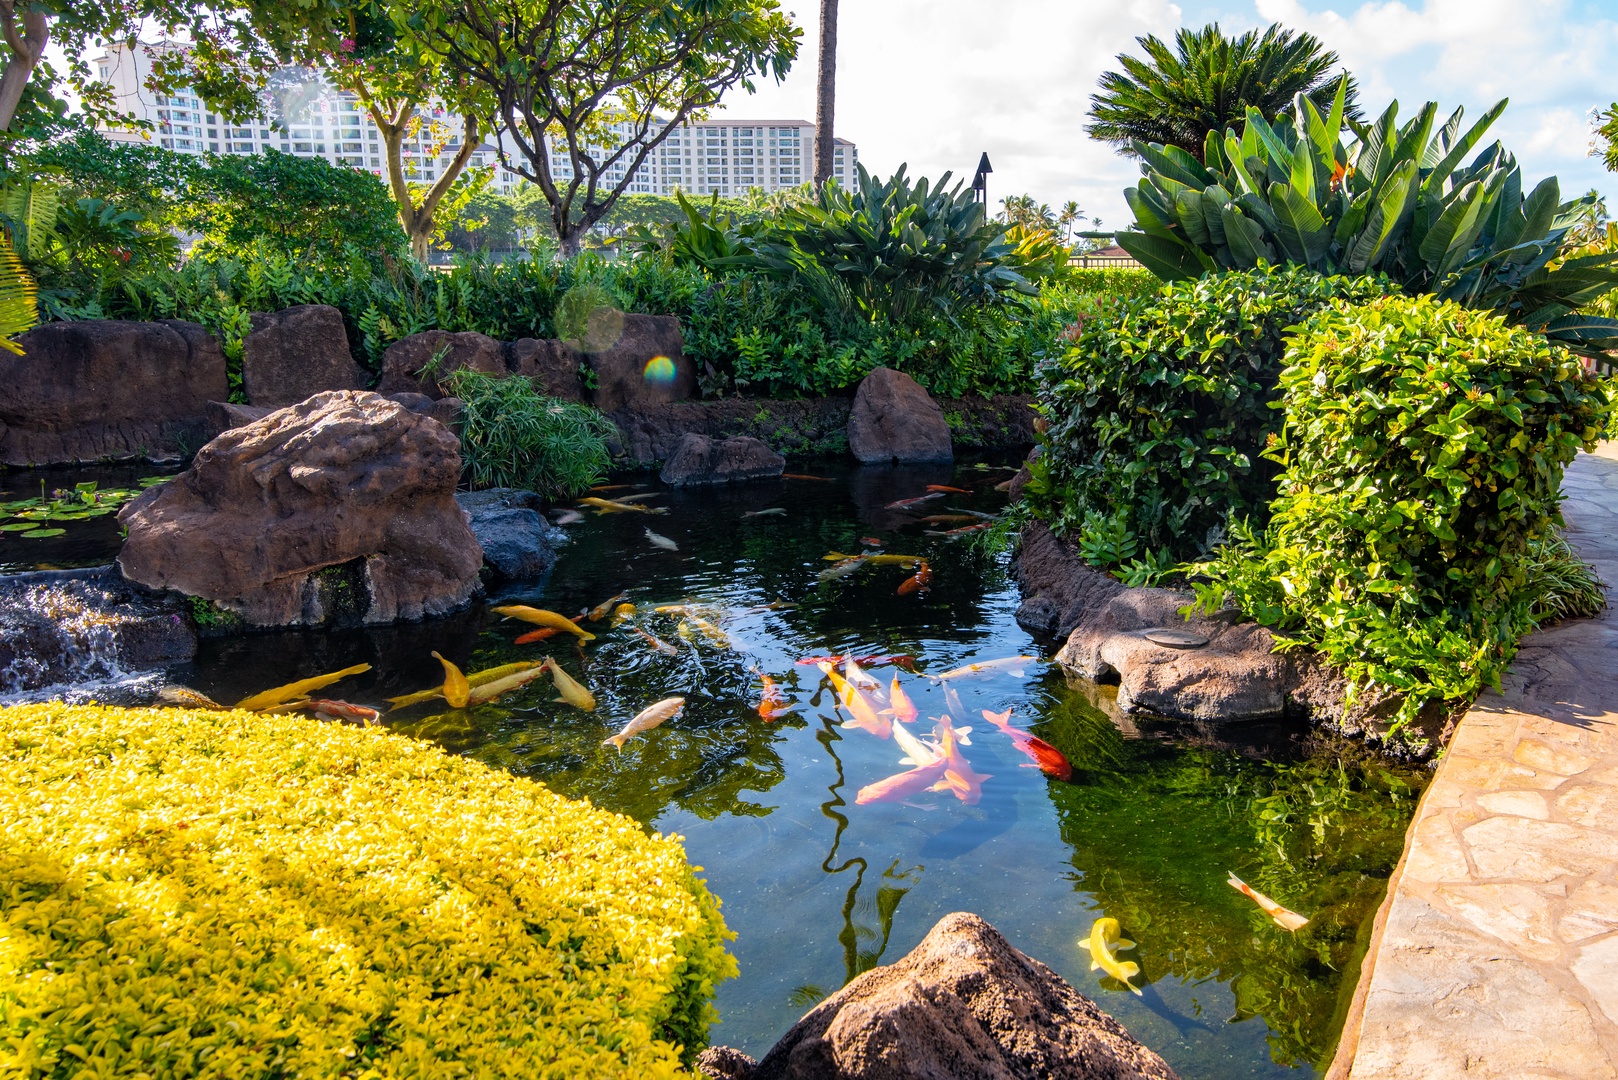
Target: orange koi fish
column 900, row 704
column 1047, row 758
column 658, row 644
column 774, row 702
column 942, row 488
column 601, row 610
column 916, row 582
column 958, row 778
column 535, row 635
column 903, row 785
column 801, row 476
column 1286, row 920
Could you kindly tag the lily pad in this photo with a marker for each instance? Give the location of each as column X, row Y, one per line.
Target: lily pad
column 18, row 526
column 40, row 534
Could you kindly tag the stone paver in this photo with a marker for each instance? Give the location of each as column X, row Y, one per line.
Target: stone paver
column 1496, row 951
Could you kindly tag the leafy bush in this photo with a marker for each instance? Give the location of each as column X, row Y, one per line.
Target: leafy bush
column 1423, row 449
column 1397, row 200
column 511, row 436
column 241, row 894
column 1157, row 415
column 293, row 203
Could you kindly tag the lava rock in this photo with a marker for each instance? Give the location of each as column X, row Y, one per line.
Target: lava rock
column 895, row 420
column 224, row 415
column 700, row 460
column 340, row 505
column 725, row 1063
column 108, row 389
column 404, row 362
column 963, row 1005
column 446, row 410
column 618, row 360
column 59, row 627
column 518, row 543
column 295, row 353
column 551, row 366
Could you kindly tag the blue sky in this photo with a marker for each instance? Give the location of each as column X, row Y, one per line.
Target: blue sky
column 932, row 83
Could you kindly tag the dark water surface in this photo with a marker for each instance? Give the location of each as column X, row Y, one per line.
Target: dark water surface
column 819, row 889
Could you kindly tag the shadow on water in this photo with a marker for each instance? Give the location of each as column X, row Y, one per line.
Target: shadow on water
column 819, row 888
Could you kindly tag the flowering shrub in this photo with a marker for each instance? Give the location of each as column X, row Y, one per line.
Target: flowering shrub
column 231, row 894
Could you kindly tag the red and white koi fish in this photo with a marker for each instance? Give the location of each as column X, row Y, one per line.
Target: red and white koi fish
column 1047, row 758
column 917, row 501
column 1286, row 920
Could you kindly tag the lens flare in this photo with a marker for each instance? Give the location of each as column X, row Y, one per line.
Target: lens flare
column 660, row 371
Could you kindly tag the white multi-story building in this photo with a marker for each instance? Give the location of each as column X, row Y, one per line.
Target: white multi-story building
column 724, row 155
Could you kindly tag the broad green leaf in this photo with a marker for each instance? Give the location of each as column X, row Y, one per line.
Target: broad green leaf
column 1170, row 259
column 1304, row 234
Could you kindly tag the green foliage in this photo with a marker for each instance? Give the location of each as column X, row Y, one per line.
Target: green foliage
column 19, row 296
column 37, row 517
column 1397, row 200
column 1207, row 83
column 1423, row 450
column 293, row 203
column 1560, row 584
column 1606, row 133
column 511, row 436
column 1157, row 415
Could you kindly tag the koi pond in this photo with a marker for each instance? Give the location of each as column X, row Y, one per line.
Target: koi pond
column 819, row 885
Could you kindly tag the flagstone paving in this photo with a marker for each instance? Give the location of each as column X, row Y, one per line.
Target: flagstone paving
column 1497, row 949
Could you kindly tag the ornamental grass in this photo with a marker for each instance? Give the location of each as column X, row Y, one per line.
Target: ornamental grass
column 227, row 894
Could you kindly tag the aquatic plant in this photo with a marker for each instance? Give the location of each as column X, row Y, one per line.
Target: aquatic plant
column 36, row 517
column 513, row 436
column 235, row 868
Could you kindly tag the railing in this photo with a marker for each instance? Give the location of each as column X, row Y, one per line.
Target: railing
column 1109, row 256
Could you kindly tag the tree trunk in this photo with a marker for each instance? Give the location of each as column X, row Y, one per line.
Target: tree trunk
column 826, row 99
column 417, row 221
column 26, row 49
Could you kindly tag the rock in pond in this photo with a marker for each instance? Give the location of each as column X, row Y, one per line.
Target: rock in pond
column 338, row 509
column 405, row 363
column 962, row 1005
column 895, row 420
column 518, row 544
column 549, row 365
column 295, row 353
column 108, row 389
column 85, row 627
column 700, row 460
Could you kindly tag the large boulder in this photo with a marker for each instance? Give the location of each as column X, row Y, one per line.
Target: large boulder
column 405, row 363
column 224, row 415
column 518, row 543
column 90, row 391
column 292, row 354
column 700, row 460
column 895, row 420
column 629, row 366
column 962, row 1005
column 550, row 365
column 339, row 508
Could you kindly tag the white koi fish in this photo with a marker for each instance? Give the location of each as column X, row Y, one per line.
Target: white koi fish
column 647, row 719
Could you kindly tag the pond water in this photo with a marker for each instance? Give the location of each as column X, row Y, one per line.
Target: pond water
column 818, row 888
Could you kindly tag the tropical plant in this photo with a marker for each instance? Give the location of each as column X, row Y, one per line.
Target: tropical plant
column 1606, row 136
column 1158, row 413
column 19, row 309
column 1207, row 83
column 1029, row 212
column 1423, row 453
column 512, row 436
column 1396, row 200
column 1560, row 584
column 606, row 81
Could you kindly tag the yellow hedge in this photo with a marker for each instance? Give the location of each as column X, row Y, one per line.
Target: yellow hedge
column 237, row 895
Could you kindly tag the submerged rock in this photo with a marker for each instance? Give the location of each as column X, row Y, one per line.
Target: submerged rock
column 895, row 420
column 105, row 389
column 60, row 627
column 700, row 460
column 962, row 1005
column 518, row 544
column 295, row 353
column 339, row 508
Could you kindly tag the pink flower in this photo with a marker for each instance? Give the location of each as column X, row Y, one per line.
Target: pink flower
column 347, row 45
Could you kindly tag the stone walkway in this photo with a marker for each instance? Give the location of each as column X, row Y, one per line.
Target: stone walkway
column 1496, row 952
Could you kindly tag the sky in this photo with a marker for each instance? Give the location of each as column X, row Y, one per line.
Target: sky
column 933, row 83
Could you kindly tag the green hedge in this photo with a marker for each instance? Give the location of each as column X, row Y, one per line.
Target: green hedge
column 247, row 895
column 1157, row 415
column 1423, row 455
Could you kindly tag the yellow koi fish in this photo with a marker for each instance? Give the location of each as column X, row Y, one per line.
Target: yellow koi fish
column 1286, row 920
column 647, row 719
column 622, row 612
column 298, row 689
column 476, row 678
column 877, row 560
column 482, row 695
column 541, row 617
column 710, row 631
column 1013, row 664
column 456, row 689
column 573, row 693
column 187, row 698
column 607, row 506
column 1104, row 941
column 863, row 714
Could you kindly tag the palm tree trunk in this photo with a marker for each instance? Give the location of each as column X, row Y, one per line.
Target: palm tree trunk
column 826, row 100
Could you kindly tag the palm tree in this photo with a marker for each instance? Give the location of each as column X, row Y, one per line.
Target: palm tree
column 1208, row 82
column 826, row 98
column 1070, row 216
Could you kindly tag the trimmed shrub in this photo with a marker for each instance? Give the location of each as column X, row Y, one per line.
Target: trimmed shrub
column 513, row 436
column 1424, row 447
column 1157, row 415
column 240, row 894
